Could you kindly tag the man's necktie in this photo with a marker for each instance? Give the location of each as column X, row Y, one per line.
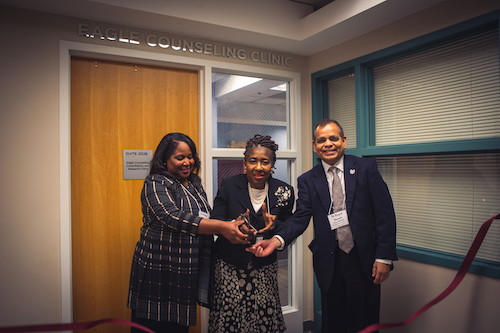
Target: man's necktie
column 344, row 233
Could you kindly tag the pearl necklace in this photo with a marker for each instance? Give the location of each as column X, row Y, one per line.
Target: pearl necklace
column 257, row 196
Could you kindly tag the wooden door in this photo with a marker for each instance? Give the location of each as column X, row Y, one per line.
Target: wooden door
column 116, row 106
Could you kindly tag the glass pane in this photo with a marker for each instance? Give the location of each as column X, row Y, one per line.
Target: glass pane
column 243, row 106
column 225, row 168
column 342, row 105
column 445, row 93
column 441, row 201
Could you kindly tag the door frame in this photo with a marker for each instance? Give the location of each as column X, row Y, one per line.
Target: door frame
column 67, row 49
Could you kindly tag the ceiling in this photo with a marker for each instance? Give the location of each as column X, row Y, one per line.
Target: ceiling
column 299, row 27
column 316, row 4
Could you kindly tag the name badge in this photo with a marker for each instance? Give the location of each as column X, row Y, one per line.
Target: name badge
column 259, row 238
column 203, row 215
column 338, row 219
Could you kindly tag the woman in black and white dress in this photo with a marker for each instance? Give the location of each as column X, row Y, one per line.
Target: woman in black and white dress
column 246, row 296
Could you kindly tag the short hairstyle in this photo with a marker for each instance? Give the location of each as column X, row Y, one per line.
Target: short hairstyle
column 166, row 148
column 324, row 122
column 263, row 141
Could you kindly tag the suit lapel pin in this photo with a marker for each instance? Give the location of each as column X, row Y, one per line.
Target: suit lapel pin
column 352, row 171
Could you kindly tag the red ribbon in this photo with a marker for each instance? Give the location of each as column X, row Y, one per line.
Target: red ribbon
column 70, row 326
column 456, row 281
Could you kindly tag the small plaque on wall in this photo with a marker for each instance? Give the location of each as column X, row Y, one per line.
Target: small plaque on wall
column 136, row 163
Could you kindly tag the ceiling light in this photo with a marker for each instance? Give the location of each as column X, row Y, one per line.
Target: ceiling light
column 281, row 87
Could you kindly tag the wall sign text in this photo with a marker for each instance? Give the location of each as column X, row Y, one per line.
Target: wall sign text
column 181, row 45
column 136, row 163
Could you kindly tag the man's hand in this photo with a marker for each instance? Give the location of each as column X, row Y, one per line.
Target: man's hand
column 380, row 272
column 268, row 219
column 264, row 247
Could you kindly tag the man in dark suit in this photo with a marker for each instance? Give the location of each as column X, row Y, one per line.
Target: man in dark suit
column 349, row 279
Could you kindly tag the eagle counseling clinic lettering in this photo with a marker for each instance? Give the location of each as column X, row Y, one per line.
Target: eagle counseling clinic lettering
column 181, row 45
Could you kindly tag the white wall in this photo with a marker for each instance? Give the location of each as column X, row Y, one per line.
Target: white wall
column 29, row 177
column 474, row 306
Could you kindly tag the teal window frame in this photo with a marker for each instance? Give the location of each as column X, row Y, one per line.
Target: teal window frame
column 365, row 124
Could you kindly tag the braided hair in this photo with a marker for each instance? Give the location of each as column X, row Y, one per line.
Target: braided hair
column 263, row 141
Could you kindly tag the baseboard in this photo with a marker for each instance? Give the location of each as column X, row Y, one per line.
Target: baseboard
column 308, row 326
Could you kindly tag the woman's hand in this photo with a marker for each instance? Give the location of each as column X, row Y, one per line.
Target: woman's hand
column 246, row 228
column 233, row 233
column 269, row 219
column 230, row 230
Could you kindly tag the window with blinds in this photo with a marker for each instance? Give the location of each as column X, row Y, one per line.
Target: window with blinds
column 431, row 110
column 342, row 105
column 441, row 201
column 445, row 93
column 449, row 92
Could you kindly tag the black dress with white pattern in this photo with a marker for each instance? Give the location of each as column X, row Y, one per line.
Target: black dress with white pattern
column 246, row 300
column 245, row 294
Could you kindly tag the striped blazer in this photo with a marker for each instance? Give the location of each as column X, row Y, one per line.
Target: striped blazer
column 171, row 263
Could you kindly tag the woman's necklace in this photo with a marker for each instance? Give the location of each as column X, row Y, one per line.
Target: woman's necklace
column 257, row 196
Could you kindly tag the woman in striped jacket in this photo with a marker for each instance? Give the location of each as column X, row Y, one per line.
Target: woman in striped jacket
column 171, row 264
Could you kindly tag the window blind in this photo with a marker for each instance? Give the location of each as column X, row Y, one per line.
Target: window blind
column 446, row 93
column 342, row 105
column 441, row 201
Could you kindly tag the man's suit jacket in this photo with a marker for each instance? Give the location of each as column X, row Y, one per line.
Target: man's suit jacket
column 233, row 199
column 369, row 209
